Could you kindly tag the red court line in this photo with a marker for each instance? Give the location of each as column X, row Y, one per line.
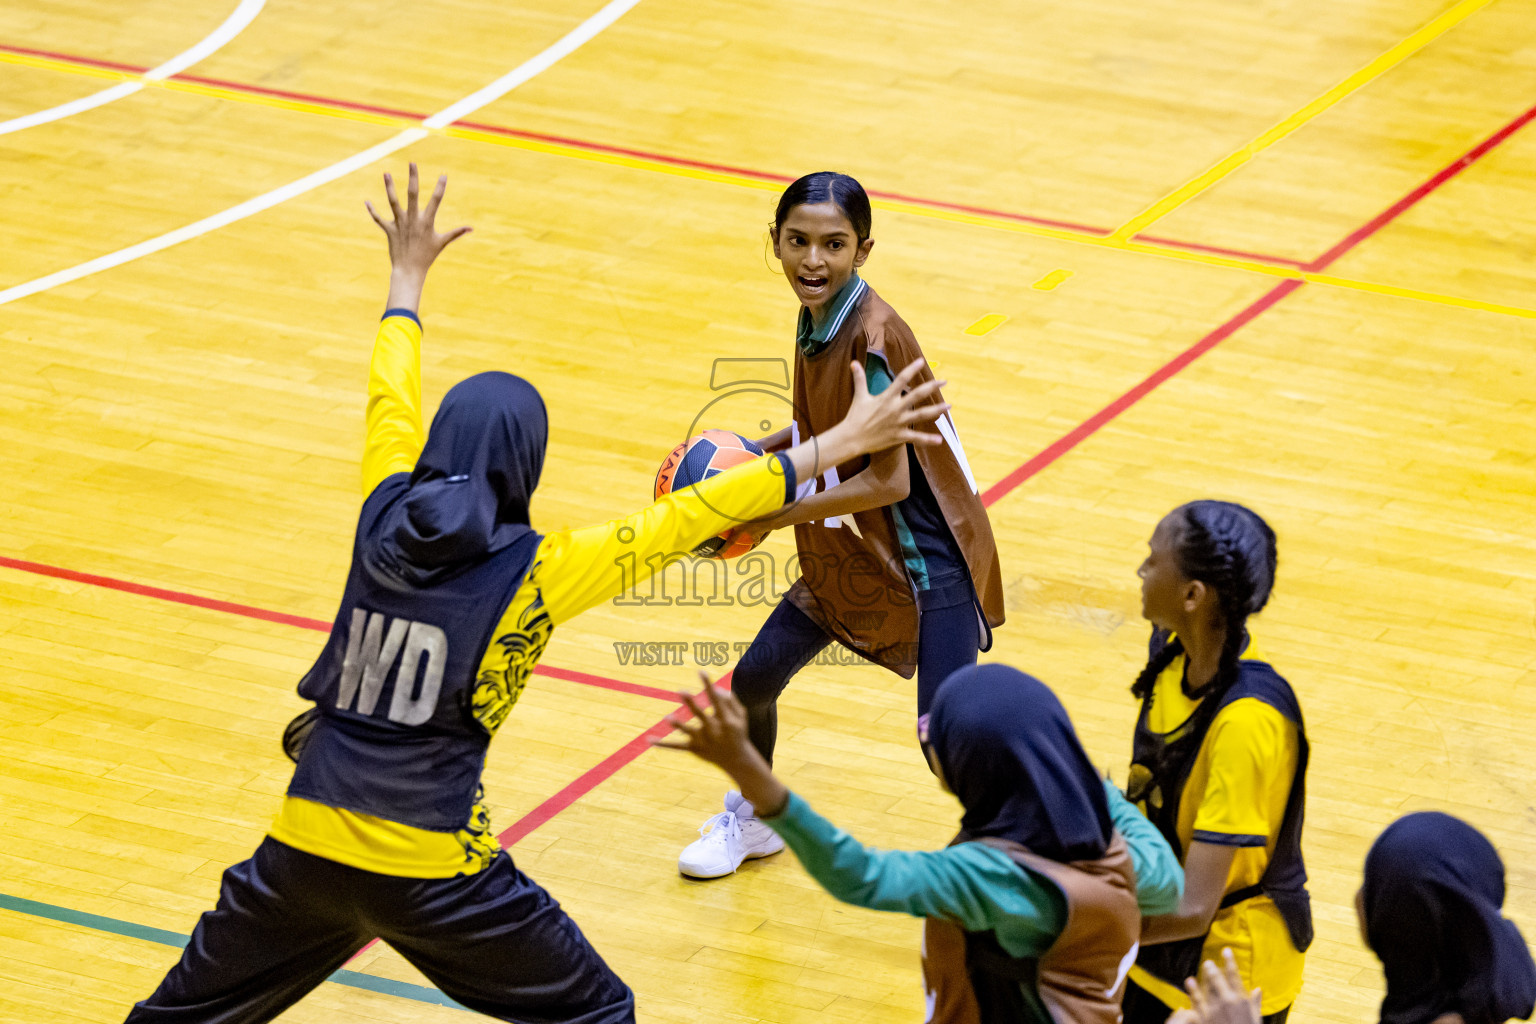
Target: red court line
column 598, row 773
column 110, row 65
column 1217, row 250
column 179, row 597
column 1400, row 207
column 303, row 97
column 641, row 154
column 1072, row 438
column 586, row 782
column 1092, row 424
column 606, row 768
column 568, row 795
column 318, row 625
column 579, row 787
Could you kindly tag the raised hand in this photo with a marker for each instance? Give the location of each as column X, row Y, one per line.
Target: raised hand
column 718, row 734
column 413, row 239
column 1220, row 997
column 886, row 420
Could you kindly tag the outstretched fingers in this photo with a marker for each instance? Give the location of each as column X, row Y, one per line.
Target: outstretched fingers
column 394, row 201
column 909, row 372
column 429, row 216
column 927, row 389
column 412, row 187
column 437, row 197
column 692, row 731
column 860, row 381
column 375, row 215
column 693, row 705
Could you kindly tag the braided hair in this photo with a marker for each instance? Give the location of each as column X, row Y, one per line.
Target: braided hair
column 1231, row 550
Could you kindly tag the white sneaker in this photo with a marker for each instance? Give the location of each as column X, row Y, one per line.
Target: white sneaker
column 730, row 837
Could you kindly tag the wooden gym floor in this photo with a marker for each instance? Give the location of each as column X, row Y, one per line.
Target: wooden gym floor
column 1279, row 252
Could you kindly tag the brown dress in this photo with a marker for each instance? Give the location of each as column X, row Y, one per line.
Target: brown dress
column 854, row 582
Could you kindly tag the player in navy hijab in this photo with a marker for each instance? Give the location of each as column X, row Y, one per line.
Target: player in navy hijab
column 1430, row 909
column 1007, row 749
column 468, row 495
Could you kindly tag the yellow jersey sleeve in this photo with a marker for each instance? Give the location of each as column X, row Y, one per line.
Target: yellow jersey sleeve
column 1252, row 753
column 395, row 432
column 580, row 569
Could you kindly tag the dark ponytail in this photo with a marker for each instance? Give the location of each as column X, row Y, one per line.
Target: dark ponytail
column 1231, row 550
column 828, row 187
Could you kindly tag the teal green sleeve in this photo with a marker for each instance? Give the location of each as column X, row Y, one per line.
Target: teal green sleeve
column 977, row 887
column 1159, row 877
column 876, row 376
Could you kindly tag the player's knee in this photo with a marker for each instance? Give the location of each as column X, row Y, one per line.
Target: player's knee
column 755, row 687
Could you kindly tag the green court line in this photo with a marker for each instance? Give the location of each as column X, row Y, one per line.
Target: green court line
column 353, row 979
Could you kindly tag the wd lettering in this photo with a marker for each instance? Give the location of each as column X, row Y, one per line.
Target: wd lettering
column 372, row 653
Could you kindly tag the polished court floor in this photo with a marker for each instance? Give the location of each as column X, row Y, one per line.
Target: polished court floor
column 1277, row 252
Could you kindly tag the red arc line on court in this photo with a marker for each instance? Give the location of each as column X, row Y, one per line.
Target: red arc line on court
column 641, row 154
column 1080, row 433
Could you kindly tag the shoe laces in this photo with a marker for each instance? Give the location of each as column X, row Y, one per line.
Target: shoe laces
column 723, row 824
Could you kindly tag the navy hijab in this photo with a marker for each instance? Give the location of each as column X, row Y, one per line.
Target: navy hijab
column 1433, row 889
column 1009, row 752
column 468, row 496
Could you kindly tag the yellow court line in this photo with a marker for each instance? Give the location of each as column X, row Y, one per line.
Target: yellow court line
column 1004, row 224
column 283, row 103
column 1375, row 69
column 69, row 67
column 1422, row 296
column 996, row 223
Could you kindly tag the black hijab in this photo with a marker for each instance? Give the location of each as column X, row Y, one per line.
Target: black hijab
column 1009, row 752
column 468, row 495
column 1433, row 889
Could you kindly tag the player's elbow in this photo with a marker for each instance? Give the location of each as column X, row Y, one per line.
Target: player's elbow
column 896, row 482
column 1164, row 895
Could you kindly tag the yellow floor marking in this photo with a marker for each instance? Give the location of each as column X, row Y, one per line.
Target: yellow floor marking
column 1421, row 296
column 986, row 325
column 1114, row 241
column 1049, row 282
column 1375, row 69
column 69, row 67
column 282, row 103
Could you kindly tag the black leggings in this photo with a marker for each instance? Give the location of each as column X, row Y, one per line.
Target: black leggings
column 1142, row 1007
column 948, row 639
column 495, row 941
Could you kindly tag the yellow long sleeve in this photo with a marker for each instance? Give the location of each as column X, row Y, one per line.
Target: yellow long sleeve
column 579, row 569
column 395, row 432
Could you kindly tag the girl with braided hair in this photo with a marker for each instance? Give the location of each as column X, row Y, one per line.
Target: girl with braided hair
column 1219, row 765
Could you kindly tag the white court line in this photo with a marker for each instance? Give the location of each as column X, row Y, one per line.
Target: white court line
column 233, row 26
column 506, row 83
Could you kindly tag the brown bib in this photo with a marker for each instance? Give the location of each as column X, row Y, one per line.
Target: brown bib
column 1080, row 980
column 854, row 581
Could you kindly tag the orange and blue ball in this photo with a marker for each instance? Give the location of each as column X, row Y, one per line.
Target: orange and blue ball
column 699, row 458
